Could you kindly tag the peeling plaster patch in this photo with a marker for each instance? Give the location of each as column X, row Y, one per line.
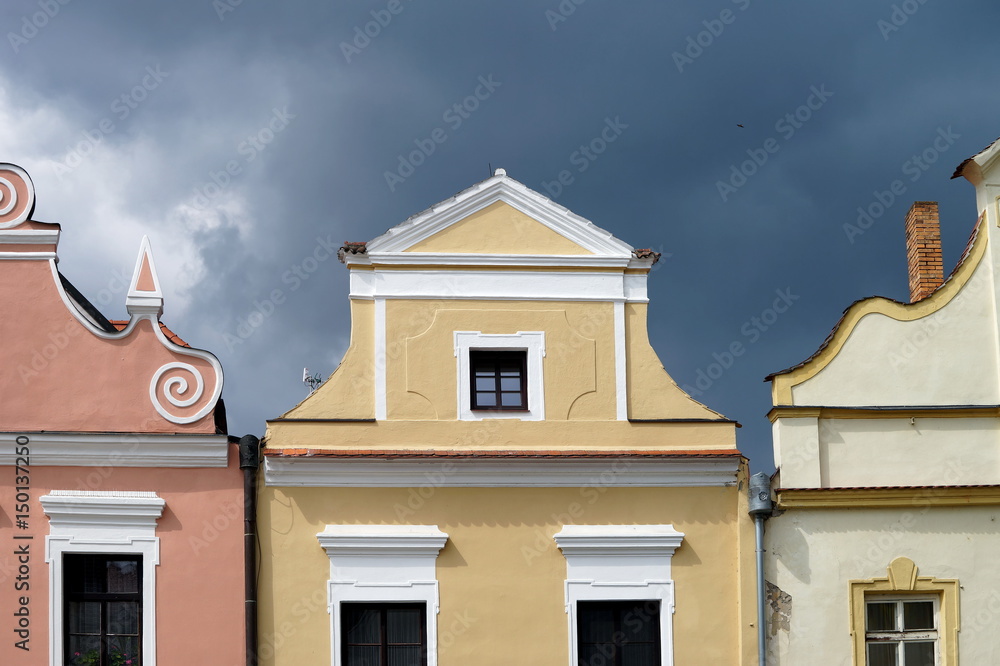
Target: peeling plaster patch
column 781, row 607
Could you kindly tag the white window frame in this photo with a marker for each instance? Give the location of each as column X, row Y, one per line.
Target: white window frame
column 102, row 522
column 382, row 564
column 531, row 342
column 620, row 563
column 905, row 636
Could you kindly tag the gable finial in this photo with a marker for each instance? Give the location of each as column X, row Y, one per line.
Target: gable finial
column 144, row 295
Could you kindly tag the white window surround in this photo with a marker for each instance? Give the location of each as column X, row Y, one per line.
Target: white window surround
column 620, row 563
column 382, row 563
column 533, row 342
column 112, row 522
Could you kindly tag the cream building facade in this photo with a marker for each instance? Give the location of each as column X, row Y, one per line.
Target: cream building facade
column 887, row 443
column 500, row 470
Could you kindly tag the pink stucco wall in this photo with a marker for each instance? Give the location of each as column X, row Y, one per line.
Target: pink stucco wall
column 199, row 581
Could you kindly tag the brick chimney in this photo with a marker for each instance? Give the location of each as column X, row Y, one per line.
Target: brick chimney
column 923, row 249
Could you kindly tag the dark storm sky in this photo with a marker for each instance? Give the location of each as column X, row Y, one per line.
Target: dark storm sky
column 236, row 134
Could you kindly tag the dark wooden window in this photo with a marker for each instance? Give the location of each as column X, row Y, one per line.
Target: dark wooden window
column 383, row 634
column 618, row 633
column 102, row 610
column 499, row 379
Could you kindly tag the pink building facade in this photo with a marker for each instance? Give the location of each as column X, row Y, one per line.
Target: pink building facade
column 121, row 496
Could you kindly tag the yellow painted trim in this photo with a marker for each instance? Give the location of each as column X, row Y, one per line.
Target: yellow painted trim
column 360, row 267
column 637, row 271
column 877, row 498
column 864, row 413
column 902, row 580
column 782, row 385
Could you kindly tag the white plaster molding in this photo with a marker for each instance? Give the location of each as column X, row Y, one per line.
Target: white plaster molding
column 138, row 301
column 581, row 261
column 620, row 541
column 28, row 255
column 500, row 473
column 118, row 449
column 29, row 236
column 493, row 285
column 532, row 342
column 381, row 406
column 499, row 188
column 383, row 563
column 128, row 513
column 112, row 522
column 10, row 202
column 621, row 367
column 381, row 540
column 620, row 563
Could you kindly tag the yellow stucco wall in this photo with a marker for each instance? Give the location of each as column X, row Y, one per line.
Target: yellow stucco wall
column 498, row 229
column 500, row 574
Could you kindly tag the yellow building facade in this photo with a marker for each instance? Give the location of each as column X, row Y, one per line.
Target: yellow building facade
column 500, row 471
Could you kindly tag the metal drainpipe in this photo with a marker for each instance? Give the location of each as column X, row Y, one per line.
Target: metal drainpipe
column 249, row 461
column 760, row 508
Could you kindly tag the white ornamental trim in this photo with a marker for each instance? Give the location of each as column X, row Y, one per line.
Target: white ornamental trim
column 545, row 473
column 117, row 449
column 10, row 202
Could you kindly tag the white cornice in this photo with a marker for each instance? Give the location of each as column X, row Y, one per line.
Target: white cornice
column 29, row 236
column 583, row 261
column 619, row 540
column 500, row 188
column 381, row 540
column 116, row 449
column 133, row 513
column 501, row 473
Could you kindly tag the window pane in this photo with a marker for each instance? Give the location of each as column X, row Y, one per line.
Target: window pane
column 123, row 576
column 919, row 654
column 84, row 650
column 883, row 654
column 918, row 615
column 640, row 655
column 591, row 655
column 361, row 625
column 363, row 656
column 486, row 399
column 510, row 384
column 123, row 617
column 882, row 616
column 124, row 650
column 404, row 656
column 641, row 622
column 486, row 383
column 510, row 399
column 403, row 625
column 596, row 624
column 85, row 617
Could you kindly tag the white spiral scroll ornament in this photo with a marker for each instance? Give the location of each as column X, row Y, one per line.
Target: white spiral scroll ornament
column 17, row 196
column 175, row 389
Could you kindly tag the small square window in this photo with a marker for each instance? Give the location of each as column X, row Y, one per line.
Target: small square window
column 499, row 380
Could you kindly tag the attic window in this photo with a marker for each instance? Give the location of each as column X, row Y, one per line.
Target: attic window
column 499, row 380
column 500, row 375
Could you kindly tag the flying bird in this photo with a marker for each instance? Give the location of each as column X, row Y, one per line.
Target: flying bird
column 738, row 125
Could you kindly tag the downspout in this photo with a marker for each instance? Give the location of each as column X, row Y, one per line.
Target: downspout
column 760, row 508
column 249, row 461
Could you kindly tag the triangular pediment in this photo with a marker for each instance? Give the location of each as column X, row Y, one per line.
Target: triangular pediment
column 498, row 228
column 499, row 217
